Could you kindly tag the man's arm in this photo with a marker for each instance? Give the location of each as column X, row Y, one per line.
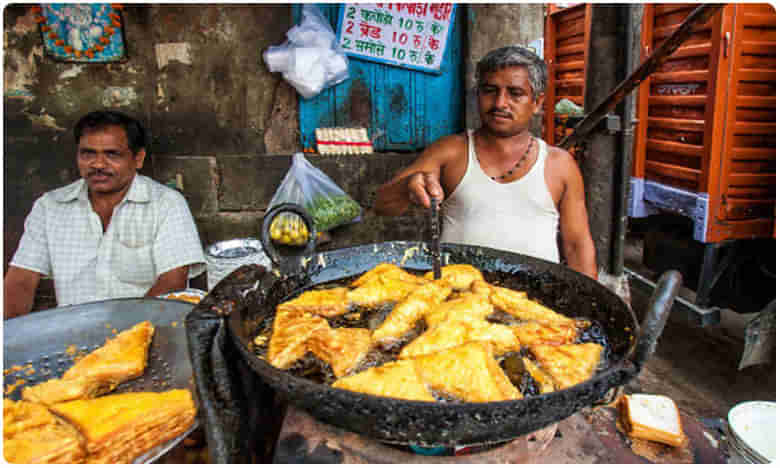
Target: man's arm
column 578, row 247
column 172, row 280
column 19, row 291
column 420, row 180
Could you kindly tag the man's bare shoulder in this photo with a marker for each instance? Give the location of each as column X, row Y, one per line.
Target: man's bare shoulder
column 561, row 161
column 446, row 149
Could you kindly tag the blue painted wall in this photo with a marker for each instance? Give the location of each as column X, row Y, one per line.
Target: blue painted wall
column 408, row 110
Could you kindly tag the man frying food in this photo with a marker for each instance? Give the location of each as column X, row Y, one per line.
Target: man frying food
column 113, row 233
column 501, row 187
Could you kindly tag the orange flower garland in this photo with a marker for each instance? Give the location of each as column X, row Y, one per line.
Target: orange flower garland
column 108, row 31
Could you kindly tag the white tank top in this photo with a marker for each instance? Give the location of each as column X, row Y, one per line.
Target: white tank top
column 518, row 216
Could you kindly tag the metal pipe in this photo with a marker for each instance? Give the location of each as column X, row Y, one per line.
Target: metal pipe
column 617, row 257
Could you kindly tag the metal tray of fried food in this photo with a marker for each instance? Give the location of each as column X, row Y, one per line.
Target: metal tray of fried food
column 43, row 345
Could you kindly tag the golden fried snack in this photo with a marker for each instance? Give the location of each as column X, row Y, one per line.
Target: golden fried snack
column 458, row 330
column 406, row 313
column 323, row 302
column 459, row 276
column 120, row 359
column 517, row 304
column 387, row 271
column 468, row 372
column 32, row 434
column 467, row 304
column 568, row 364
column 536, row 333
column 118, row 428
column 291, row 330
column 342, row 348
column 482, row 288
column 397, row 379
column 542, row 378
column 380, row 290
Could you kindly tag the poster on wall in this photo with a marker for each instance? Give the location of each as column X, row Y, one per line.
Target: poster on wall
column 409, row 35
column 82, row 32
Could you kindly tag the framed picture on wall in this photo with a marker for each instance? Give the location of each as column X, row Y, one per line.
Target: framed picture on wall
column 82, row 32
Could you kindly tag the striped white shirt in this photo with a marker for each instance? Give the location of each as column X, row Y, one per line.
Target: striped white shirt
column 151, row 232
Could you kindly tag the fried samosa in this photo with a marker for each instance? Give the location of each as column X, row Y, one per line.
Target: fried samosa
column 324, row 302
column 406, row 313
column 468, row 304
column 468, row 372
column 387, row 271
column 535, row 333
column 120, row 359
column 118, row 428
column 459, row 276
column 568, row 364
column 291, row 329
column 458, row 330
column 517, row 304
column 32, row 434
column 342, row 348
column 397, row 379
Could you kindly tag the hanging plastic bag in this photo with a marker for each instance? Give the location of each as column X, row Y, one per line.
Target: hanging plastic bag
column 327, row 204
column 310, row 60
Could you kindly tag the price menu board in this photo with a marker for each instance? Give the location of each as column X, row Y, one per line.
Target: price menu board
column 410, row 35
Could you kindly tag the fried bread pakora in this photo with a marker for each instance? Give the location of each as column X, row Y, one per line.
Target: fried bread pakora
column 342, row 348
column 517, row 304
column 459, row 276
column 387, row 271
column 380, row 290
column 397, row 379
column 118, row 428
column 406, row 313
column 568, row 364
column 535, row 333
column 121, row 358
column 542, row 378
column 32, row 434
column 468, row 372
column 457, row 330
column 467, row 304
column 324, row 302
column 292, row 328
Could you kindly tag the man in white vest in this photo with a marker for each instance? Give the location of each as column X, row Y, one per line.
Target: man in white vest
column 501, row 187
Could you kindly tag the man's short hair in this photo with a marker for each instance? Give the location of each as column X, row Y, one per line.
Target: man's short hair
column 96, row 120
column 515, row 56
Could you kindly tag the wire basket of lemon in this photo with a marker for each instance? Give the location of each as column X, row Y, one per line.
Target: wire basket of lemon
column 289, row 229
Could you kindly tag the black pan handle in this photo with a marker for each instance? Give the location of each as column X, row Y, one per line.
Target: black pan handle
column 287, row 259
column 658, row 310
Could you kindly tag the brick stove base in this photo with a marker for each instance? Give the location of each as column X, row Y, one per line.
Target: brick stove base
column 590, row 436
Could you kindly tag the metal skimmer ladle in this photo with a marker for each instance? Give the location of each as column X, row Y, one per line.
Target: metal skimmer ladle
column 435, row 246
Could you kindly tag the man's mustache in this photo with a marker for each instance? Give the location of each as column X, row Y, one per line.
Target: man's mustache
column 499, row 112
column 99, row 172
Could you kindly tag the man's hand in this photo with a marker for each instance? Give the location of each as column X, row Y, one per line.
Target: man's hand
column 172, row 280
column 19, row 291
column 422, row 187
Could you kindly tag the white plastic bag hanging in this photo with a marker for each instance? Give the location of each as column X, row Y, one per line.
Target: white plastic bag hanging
column 309, row 59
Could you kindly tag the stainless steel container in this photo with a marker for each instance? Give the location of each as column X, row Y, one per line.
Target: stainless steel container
column 225, row 256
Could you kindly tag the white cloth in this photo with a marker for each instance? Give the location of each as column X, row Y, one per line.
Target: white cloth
column 519, row 216
column 151, row 232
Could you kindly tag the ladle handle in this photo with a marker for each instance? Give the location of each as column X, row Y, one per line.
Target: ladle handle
column 658, row 310
column 287, row 264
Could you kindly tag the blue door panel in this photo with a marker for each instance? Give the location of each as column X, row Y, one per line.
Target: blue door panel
column 404, row 110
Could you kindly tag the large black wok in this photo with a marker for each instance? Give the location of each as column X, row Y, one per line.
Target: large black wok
column 423, row 423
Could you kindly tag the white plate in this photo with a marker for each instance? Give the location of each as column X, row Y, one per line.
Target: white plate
column 753, row 423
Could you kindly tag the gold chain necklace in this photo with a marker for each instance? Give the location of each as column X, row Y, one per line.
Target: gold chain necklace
column 517, row 164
